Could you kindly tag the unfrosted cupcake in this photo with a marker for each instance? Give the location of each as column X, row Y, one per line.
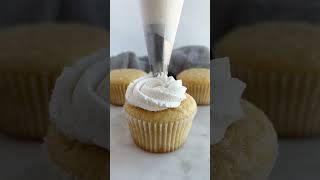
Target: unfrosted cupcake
column 248, row 150
column 119, row 81
column 31, row 58
column 159, row 113
column 78, row 139
column 280, row 64
column 197, row 82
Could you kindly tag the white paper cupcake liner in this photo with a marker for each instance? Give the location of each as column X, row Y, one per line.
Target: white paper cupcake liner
column 24, row 104
column 291, row 100
column 159, row 137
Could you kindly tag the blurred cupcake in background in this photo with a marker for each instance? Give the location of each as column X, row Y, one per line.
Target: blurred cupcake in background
column 188, row 57
column 119, row 81
column 197, row 82
column 31, row 58
column 280, row 64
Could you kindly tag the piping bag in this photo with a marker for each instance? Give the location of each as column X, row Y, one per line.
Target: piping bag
column 160, row 20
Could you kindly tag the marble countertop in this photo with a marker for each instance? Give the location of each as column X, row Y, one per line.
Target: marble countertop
column 190, row 162
column 298, row 159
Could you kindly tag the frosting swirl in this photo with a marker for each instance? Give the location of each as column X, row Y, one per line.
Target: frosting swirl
column 79, row 106
column 156, row 93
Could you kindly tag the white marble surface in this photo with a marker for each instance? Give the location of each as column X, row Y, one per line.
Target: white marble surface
column 190, row 162
column 299, row 159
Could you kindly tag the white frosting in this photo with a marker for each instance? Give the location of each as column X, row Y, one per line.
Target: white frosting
column 227, row 92
column 161, row 11
column 79, row 106
column 156, row 93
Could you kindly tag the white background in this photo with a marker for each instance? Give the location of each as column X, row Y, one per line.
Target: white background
column 126, row 31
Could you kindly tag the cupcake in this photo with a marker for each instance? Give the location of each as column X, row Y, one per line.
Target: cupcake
column 31, row 58
column 72, row 159
column 159, row 113
column 248, row 150
column 279, row 62
column 197, row 81
column 119, row 81
column 78, row 138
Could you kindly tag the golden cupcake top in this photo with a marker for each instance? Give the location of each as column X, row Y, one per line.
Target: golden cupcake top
column 250, row 145
column 276, row 46
column 187, row 108
column 48, row 47
column 195, row 75
column 125, row 76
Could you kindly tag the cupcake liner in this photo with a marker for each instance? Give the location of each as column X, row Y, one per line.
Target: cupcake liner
column 25, row 104
column 159, row 137
column 117, row 94
column 200, row 93
column 291, row 100
column 57, row 172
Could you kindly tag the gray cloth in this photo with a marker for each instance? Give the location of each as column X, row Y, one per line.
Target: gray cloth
column 125, row 60
column 181, row 59
column 189, row 57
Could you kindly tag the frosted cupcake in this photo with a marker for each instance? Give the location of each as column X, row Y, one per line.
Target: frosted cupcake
column 78, row 139
column 248, row 150
column 31, row 58
column 159, row 113
column 197, row 81
column 119, row 81
column 280, row 64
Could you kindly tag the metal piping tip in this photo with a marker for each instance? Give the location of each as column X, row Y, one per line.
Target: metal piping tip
column 158, row 69
column 159, row 50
